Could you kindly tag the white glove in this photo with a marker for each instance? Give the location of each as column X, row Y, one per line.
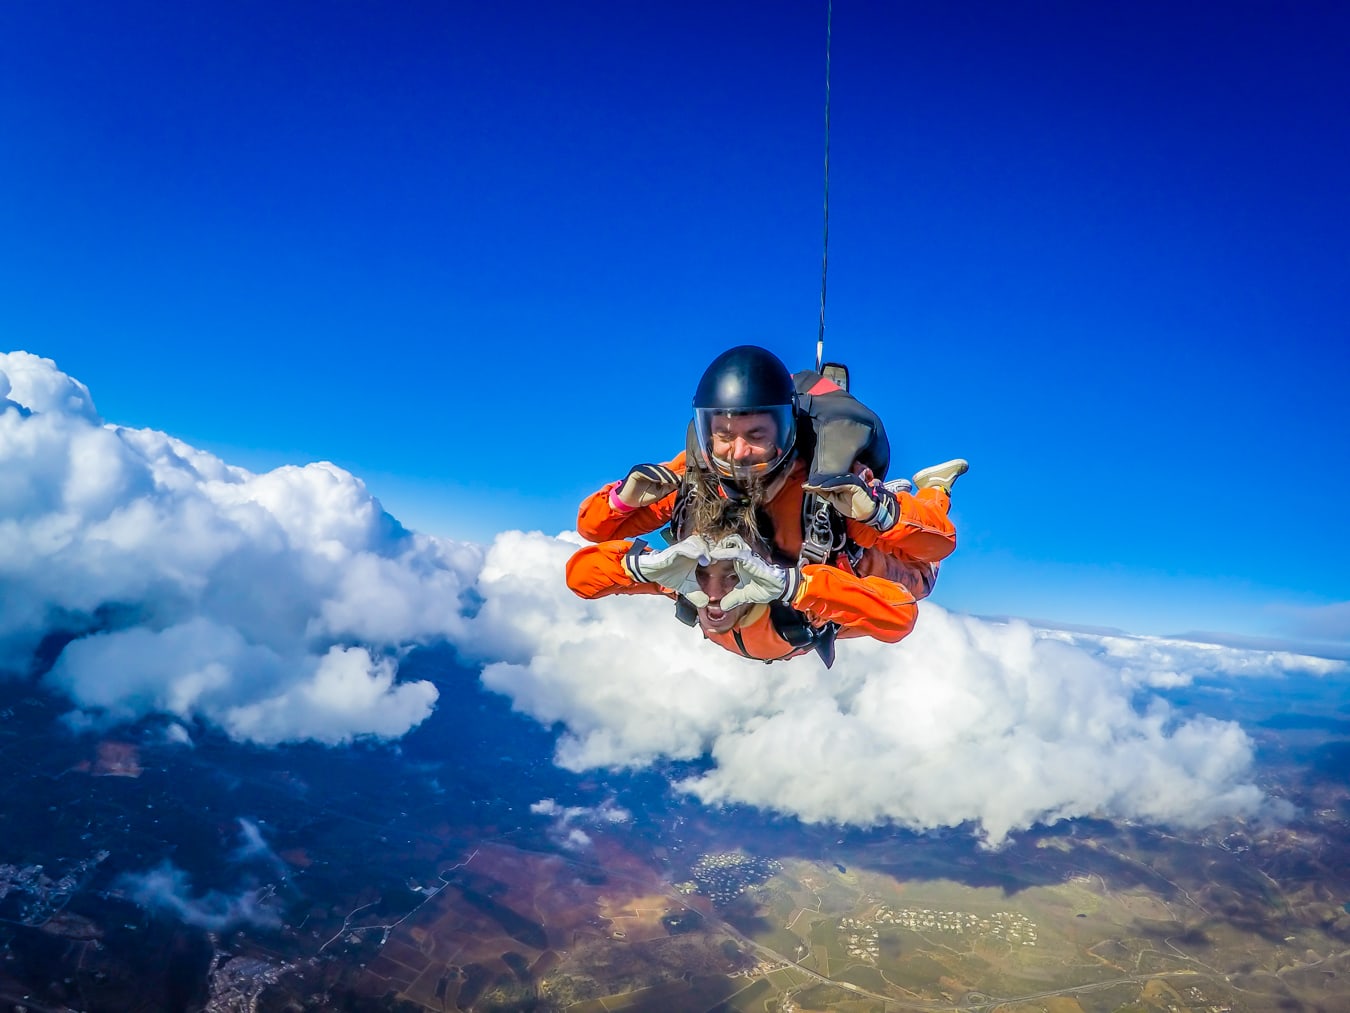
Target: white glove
column 672, row 568
column 646, row 484
column 761, row 581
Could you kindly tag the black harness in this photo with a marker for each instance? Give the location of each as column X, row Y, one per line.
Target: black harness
column 834, row 430
column 788, row 623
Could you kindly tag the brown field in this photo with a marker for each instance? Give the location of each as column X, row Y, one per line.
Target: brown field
column 510, row 922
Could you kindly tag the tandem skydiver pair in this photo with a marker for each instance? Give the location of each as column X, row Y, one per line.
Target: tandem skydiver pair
column 783, row 535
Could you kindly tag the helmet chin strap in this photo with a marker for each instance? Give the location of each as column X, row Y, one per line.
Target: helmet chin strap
column 772, row 485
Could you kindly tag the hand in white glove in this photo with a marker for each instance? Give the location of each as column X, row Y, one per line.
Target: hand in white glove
column 761, row 581
column 672, row 568
column 646, row 484
column 855, row 497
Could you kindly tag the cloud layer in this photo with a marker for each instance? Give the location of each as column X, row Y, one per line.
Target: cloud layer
column 967, row 720
column 276, row 606
column 270, row 605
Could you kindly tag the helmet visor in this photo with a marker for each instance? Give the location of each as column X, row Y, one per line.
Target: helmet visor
column 746, row 442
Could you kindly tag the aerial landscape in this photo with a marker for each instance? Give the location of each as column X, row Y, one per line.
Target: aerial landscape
column 454, row 558
column 440, row 876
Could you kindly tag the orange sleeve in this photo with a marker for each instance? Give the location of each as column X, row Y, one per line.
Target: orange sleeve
column 597, row 521
column 923, row 532
column 862, row 606
column 597, row 571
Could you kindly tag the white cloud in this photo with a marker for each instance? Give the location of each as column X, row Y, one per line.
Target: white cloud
column 275, row 606
column 967, row 720
column 254, row 849
column 1161, row 662
column 169, row 889
column 202, row 590
column 563, row 828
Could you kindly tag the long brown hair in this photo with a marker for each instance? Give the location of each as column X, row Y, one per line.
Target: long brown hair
column 714, row 515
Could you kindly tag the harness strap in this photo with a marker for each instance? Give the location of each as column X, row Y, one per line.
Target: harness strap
column 792, row 626
column 685, row 611
column 823, row 533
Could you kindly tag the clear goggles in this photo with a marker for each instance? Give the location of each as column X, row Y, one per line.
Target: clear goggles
column 746, row 442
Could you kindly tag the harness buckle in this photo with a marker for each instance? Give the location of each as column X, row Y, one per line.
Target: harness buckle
column 820, row 539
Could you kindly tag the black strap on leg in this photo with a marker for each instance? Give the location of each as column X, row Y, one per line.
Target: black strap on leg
column 825, row 643
column 792, row 626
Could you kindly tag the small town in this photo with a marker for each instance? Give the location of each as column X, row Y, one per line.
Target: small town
column 43, row 895
column 724, row 876
column 862, row 940
column 1007, row 925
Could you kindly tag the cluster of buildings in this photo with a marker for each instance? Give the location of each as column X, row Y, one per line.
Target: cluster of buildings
column 42, row 895
column 236, row 983
column 861, row 940
column 724, row 876
column 1009, row 926
column 762, row 969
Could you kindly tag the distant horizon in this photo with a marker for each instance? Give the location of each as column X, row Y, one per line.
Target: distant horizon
column 1310, row 648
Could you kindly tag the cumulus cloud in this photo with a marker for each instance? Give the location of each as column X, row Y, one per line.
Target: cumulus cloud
column 994, row 724
column 564, row 820
column 275, row 607
column 271, row 605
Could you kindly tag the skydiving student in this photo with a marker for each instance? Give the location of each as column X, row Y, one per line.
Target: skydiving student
column 744, row 603
column 785, row 463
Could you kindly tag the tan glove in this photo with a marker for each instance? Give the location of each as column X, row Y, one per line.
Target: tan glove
column 854, row 497
column 646, row 484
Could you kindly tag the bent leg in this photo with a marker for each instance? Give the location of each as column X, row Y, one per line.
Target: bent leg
column 916, row 576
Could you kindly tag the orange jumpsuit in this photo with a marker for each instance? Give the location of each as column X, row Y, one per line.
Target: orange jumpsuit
column 923, row 535
column 897, row 567
column 862, row 606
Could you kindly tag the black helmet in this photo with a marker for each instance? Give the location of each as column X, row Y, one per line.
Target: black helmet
column 745, row 381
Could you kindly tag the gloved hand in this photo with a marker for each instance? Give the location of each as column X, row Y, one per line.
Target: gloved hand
column 855, row 497
column 672, row 568
column 646, row 484
column 761, row 581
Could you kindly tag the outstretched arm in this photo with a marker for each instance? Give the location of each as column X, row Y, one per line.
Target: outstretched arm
column 597, row 571
column 921, row 528
column 862, row 606
column 629, row 568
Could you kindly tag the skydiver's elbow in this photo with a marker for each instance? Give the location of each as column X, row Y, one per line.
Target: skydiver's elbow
column 901, row 625
column 581, row 576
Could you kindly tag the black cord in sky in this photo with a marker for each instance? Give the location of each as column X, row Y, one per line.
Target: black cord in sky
column 825, row 246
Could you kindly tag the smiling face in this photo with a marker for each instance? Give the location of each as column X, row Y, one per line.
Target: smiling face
column 745, row 443
column 745, row 440
column 717, row 580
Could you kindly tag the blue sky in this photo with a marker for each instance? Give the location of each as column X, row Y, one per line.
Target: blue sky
column 479, row 255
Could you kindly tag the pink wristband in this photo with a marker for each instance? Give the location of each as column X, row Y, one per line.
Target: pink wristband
column 616, row 504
